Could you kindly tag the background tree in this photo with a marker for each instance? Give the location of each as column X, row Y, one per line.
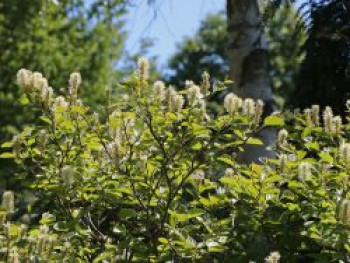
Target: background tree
column 324, row 77
column 56, row 38
column 207, row 51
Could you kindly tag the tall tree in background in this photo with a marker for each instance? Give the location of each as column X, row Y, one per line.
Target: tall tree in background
column 207, row 51
column 248, row 54
column 325, row 73
column 56, row 38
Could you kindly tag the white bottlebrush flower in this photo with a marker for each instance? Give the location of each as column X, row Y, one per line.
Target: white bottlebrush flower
column 344, row 154
column 67, row 174
column 304, row 171
column 328, row 120
column 61, row 102
column 159, row 91
column 75, row 80
column 46, row 95
column 338, row 125
column 249, row 107
column 170, row 93
column 25, row 79
column 282, row 137
column 42, row 138
column 143, row 67
column 308, row 117
column 205, row 85
column 344, row 212
column 259, row 108
column 193, row 93
column 315, row 114
column 229, row 172
column 283, row 162
column 176, row 103
column 8, row 201
column 198, row 175
column 232, row 103
column 274, row 257
column 39, row 82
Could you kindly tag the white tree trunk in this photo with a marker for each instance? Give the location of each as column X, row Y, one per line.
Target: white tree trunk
column 248, row 49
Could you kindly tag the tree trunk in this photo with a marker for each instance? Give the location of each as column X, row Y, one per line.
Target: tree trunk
column 249, row 63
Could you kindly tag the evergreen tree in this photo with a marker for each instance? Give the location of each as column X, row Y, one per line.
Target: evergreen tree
column 324, row 77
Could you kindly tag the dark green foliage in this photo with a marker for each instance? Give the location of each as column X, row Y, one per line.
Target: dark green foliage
column 324, row 77
column 56, row 39
column 159, row 181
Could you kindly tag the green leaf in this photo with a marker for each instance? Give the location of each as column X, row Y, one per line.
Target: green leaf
column 228, row 180
column 326, row 157
column 24, row 100
column 274, row 121
column 226, row 160
column 313, row 146
column 254, row 141
column 127, row 213
column 163, row 240
column 7, row 155
column 7, row 144
column 184, row 217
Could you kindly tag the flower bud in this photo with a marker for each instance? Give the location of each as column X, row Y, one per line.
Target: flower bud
column 170, row 93
column 74, row 83
column 259, row 108
column 67, row 174
column 315, row 115
column 8, row 201
column 283, row 162
column 308, row 118
column 282, row 137
column 159, row 91
column 46, row 95
column 337, row 124
column 205, row 85
column 16, row 147
column 344, row 212
column 42, row 138
column 344, row 154
column 328, row 120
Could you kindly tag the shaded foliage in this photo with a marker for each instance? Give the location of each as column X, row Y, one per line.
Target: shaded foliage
column 56, row 38
column 324, row 77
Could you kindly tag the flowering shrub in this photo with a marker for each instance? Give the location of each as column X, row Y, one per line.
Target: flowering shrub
column 157, row 180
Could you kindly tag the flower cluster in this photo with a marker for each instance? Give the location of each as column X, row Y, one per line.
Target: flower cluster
column 235, row 105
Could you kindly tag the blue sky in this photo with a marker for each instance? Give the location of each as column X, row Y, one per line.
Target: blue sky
column 167, row 22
